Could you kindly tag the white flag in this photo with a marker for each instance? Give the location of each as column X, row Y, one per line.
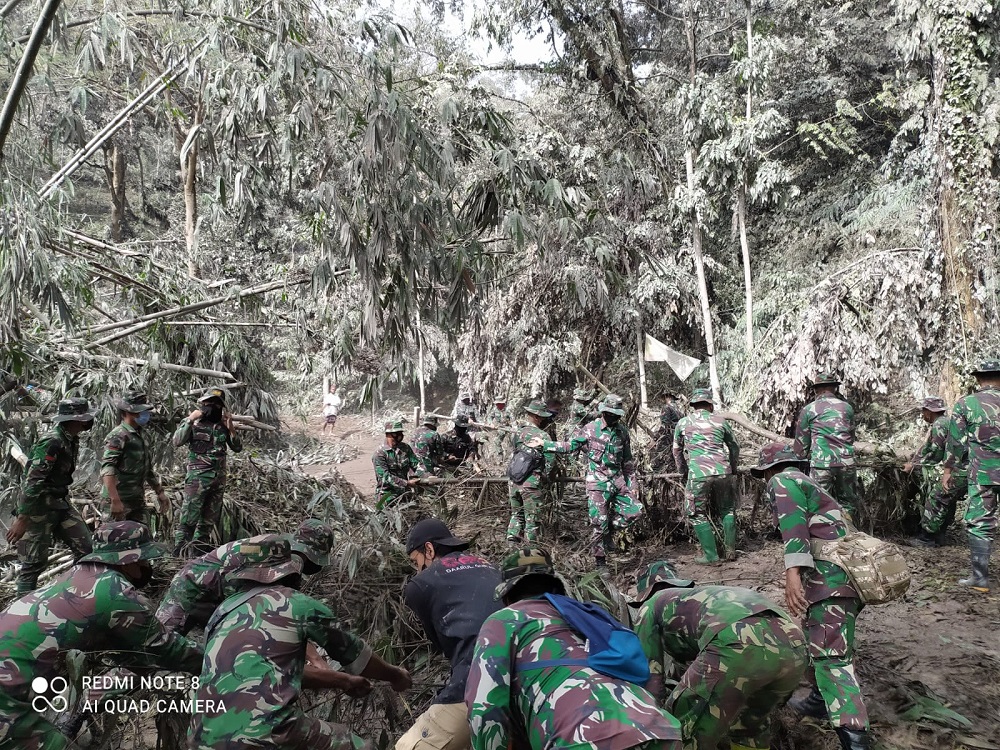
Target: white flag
column 681, row 364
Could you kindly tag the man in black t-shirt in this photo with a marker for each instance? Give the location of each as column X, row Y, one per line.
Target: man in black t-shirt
column 452, row 594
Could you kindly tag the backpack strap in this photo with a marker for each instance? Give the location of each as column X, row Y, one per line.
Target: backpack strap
column 230, row 604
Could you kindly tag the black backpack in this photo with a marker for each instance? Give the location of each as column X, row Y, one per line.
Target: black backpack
column 525, row 462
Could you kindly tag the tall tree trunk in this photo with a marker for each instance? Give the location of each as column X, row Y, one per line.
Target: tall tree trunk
column 741, row 200
column 189, row 174
column 115, row 170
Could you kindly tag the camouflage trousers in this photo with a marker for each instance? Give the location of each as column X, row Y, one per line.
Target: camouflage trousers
column 981, row 515
column 829, row 626
column 23, row 728
column 746, row 671
column 388, row 496
column 202, row 509
column 842, row 483
column 135, row 509
column 709, row 494
column 612, row 503
column 307, row 733
column 67, row 526
column 939, row 508
column 525, row 507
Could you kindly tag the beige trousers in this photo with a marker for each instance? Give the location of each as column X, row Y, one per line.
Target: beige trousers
column 443, row 726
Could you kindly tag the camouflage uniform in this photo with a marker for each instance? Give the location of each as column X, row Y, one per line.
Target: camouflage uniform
column 92, row 607
column 706, row 454
column 940, row 504
column 460, row 443
column 582, row 412
column 428, row 446
column 393, row 467
column 499, row 440
column 743, row 656
column 45, row 499
column 208, row 444
column 557, row 707
column 661, row 452
column 254, row 658
column 975, row 433
column 612, row 495
column 526, row 499
column 128, row 459
column 824, row 434
column 804, row 512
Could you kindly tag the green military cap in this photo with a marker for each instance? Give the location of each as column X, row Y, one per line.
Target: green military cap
column 123, row 542
column 583, row 395
column 134, row 402
column 991, row 366
column 702, row 396
column 214, row 393
column 266, row 559
column 827, row 377
column 314, row 540
column 933, row 403
column 73, row 410
column 537, row 408
column 517, row 566
column 612, row 404
column 393, row 426
column 775, row 454
column 429, row 420
column 655, row 576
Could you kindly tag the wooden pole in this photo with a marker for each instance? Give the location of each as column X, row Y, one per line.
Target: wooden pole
column 420, row 362
column 641, row 358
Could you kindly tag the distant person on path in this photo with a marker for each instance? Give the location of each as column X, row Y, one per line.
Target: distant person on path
column 332, row 402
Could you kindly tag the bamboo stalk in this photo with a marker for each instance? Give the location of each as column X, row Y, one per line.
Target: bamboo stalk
column 199, row 391
column 256, row 424
column 78, row 356
column 607, row 390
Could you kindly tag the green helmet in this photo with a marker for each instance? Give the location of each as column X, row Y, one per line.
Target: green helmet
column 123, row 542
column 517, row 566
column 314, row 540
column 658, row 575
column 266, row 559
column 612, row 404
column 73, row 410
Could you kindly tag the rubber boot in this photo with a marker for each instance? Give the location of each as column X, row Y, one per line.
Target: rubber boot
column 854, row 739
column 706, row 537
column 979, row 554
column 923, row 539
column 729, row 535
column 812, row 704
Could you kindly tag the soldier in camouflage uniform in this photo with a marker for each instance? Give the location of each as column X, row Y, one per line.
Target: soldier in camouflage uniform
column 428, row 446
column 526, row 499
column 975, row 433
column 706, row 454
column 127, row 464
column 44, row 510
column 459, row 443
column 255, row 651
column 612, row 493
column 465, row 407
column 940, row 503
column 95, row 606
column 806, row 513
column 393, row 462
column 209, row 434
column 741, row 656
column 499, row 417
column 661, row 452
column 824, row 435
column 512, row 704
column 581, row 412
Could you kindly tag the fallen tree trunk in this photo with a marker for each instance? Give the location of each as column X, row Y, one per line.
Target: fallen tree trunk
column 156, row 365
column 251, row 422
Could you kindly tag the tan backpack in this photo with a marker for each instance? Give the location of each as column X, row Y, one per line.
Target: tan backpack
column 877, row 569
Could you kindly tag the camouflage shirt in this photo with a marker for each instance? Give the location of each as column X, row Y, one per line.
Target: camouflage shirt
column 975, row 429
column 255, row 654
column 468, row 410
column 462, row 446
column 609, row 449
column 526, row 434
column 804, row 511
column 705, row 446
column 580, row 414
column 499, row 417
column 127, row 458
column 49, row 473
column 208, row 444
column 393, row 466
column 558, row 707
column 676, row 625
column 427, row 447
column 91, row 607
column 825, row 433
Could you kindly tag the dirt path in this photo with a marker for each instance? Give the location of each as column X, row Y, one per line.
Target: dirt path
column 352, row 431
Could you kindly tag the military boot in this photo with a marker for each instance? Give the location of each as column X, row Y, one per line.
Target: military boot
column 812, row 704
column 729, row 535
column 979, row 554
column 923, row 539
column 854, row 739
column 706, row 537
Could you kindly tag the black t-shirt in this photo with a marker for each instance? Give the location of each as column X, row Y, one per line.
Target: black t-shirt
column 453, row 597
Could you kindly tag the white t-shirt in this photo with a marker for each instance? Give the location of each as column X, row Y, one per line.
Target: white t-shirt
column 331, row 404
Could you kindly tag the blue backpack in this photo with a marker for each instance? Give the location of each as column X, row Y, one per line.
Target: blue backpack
column 613, row 649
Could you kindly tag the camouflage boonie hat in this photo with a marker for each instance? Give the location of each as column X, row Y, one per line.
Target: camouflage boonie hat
column 429, row 420
column 656, row 574
column 537, row 408
column 393, row 426
column 517, row 566
column 583, row 395
column 612, row 404
column 465, row 395
column 213, row 393
column 774, row 454
column 933, row 403
column 462, row 420
column 134, row 402
column 267, row 559
column 123, row 542
column 314, row 539
column 988, row 366
column 702, row 396
column 826, row 378
column 73, row 410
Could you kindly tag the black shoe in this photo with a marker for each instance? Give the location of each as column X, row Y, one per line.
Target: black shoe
column 854, row 739
column 924, row 539
column 979, row 553
column 811, row 704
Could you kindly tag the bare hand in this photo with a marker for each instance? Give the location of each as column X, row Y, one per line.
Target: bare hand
column 196, row 414
column 227, row 420
column 402, row 681
column 795, row 594
column 946, row 479
column 358, row 687
column 535, row 443
column 908, row 467
column 412, row 482
column 117, row 509
column 17, row 530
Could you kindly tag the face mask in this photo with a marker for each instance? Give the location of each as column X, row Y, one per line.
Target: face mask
column 211, row 413
column 143, row 419
column 145, row 574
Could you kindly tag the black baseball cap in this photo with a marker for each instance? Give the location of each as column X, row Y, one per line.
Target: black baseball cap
column 431, row 530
